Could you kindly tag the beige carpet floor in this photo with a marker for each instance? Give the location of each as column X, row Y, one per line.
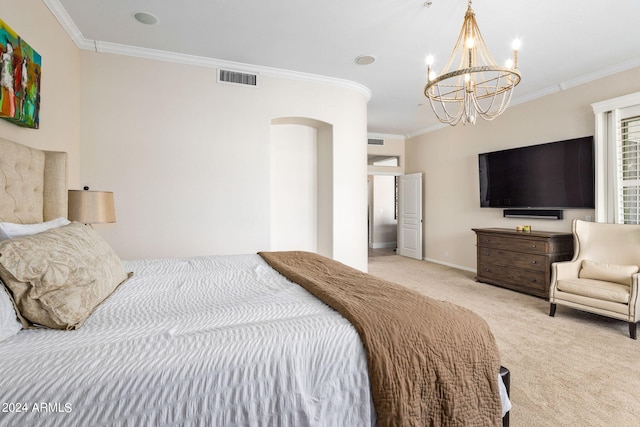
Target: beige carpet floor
column 574, row 369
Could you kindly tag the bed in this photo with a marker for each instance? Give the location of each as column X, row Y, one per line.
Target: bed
column 268, row 339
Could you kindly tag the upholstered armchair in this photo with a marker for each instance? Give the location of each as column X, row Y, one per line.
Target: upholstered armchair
column 602, row 277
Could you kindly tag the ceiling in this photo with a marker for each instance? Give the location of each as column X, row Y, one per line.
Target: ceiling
column 564, row 43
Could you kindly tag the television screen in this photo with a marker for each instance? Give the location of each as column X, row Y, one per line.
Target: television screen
column 553, row 175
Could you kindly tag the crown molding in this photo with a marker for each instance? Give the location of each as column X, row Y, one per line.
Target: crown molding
column 586, row 78
column 83, row 43
column 67, row 23
column 604, row 72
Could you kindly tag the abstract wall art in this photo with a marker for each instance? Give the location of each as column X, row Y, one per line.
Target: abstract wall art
column 20, row 71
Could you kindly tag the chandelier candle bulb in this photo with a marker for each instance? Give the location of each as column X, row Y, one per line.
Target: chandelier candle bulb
column 517, row 43
column 516, row 47
column 430, row 75
column 470, row 43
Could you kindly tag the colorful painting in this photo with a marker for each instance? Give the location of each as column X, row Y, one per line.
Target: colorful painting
column 20, row 71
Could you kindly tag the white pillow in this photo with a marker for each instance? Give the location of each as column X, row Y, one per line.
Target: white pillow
column 9, row 323
column 9, row 230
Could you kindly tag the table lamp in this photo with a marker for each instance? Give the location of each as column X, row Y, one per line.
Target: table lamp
column 91, row 207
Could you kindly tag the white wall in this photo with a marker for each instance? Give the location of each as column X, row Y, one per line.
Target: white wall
column 60, row 98
column 294, row 188
column 188, row 158
column 449, row 160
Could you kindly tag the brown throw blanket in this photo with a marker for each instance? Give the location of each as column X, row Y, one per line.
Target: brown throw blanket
column 431, row 363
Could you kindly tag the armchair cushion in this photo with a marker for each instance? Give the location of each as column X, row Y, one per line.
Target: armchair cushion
column 607, row 272
column 598, row 289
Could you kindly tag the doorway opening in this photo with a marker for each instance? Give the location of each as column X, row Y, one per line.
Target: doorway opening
column 382, row 218
column 395, row 215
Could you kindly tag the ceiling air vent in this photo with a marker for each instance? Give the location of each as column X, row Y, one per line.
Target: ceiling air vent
column 375, row 141
column 236, row 77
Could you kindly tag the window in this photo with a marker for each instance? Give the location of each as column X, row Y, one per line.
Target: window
column 617, row 155
column 629, row 171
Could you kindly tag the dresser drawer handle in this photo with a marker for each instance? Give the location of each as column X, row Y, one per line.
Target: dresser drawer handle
column 487, row 269
column 534, row 262
column 533, row 246
column 533, row 280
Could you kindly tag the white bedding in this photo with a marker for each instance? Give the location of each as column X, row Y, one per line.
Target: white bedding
column 212, row 341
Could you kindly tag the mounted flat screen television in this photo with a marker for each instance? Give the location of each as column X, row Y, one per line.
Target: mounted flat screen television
column 554, row 175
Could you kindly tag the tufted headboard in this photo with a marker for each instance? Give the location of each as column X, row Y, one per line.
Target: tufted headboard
column 33, row 184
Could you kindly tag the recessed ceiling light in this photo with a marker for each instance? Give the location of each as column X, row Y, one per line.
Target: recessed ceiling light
column 145, row 18
column 365, row 59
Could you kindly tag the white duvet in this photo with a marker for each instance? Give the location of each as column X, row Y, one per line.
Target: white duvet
column 210, row 341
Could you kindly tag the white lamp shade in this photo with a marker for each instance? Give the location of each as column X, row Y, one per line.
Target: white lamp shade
column 91, row 207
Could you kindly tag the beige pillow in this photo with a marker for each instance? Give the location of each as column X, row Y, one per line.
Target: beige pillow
column 58, row 277
column 607, row 272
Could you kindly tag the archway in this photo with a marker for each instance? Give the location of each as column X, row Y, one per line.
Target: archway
column 301, row 185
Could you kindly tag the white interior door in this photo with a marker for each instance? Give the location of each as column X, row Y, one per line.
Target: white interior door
column 410, row 216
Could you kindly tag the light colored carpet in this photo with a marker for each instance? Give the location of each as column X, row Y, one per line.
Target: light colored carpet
column 574, row 369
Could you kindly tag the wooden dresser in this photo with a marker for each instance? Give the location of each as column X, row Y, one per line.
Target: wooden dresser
column 520, row 260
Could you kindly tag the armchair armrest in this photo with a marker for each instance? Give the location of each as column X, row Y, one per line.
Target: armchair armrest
column 634, row 296
column 563, row 270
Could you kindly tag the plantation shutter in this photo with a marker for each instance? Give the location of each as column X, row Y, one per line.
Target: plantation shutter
column 629, row 170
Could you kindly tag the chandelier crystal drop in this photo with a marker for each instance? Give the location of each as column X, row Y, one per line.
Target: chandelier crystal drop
column 471, row 84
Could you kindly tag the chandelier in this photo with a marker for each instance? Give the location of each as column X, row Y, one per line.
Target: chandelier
column 471, row 83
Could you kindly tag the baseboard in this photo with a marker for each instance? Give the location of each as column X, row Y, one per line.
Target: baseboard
column 448, row 264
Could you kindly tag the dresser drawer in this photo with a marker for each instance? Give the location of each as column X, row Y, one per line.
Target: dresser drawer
column 512, row 259
column 531, row 246
column 533, row 282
